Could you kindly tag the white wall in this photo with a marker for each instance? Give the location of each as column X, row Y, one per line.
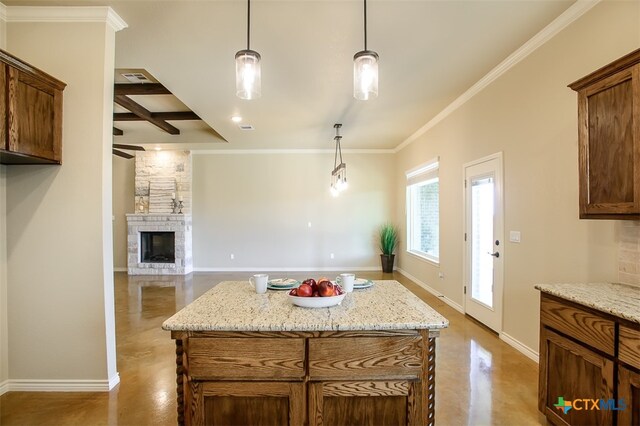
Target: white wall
column 4, row 341
column 258, row 207
column 123, row 203
column 59, row 232
column 531, row 116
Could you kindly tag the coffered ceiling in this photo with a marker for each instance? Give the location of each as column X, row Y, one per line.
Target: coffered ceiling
column 430, row 53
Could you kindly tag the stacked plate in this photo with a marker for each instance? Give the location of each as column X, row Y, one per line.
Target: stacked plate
column 282, row 284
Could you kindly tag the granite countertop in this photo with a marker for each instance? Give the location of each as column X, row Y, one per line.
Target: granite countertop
column 621, row 300
column 235, row 306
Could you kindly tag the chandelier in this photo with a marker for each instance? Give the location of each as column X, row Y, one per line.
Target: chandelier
column 339, row 173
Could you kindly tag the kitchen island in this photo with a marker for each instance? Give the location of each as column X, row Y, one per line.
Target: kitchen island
column 247, row 358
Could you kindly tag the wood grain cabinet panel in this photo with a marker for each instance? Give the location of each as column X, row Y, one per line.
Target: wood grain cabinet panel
column 629, row 351
column 247, row 359
column 591, row 329
column 365, row 358
column 609, row 140
column 629, row 392
column 31, row 114
column 571, row 371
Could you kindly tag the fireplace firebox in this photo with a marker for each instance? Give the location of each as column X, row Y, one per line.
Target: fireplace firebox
column 157, row 247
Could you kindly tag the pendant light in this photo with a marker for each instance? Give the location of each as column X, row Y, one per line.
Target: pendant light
column 248, row 80
column 339, row 173
column 365, row 69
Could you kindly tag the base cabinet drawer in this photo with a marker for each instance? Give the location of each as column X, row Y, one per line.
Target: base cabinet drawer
column 629, row 351
column 365, row 358
column 246, row 359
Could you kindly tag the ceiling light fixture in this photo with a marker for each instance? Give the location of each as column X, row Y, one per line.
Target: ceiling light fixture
column 248, row 80
column 236, row 119
column 365, row 69
column 339, row 173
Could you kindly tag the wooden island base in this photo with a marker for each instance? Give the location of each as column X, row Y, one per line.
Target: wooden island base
column 296, row 378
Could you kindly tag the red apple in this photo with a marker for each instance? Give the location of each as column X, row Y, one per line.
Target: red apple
column 315, row 294
column 326, row 289
column 305, row 290
column 293, row 292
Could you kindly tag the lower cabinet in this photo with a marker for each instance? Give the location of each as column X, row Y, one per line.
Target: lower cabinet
column 589, row 365
column 299, row 378
column 629, row 392
column 247, row 403
column 571, row 372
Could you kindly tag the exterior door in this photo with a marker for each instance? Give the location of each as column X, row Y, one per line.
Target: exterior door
column 484, row 245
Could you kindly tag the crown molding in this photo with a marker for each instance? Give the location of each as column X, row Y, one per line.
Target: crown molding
column 575, row 11
column 66, row 14
column 3, row 12
column 287, row 151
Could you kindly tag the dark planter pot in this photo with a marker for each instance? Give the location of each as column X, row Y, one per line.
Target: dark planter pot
column 387, row 262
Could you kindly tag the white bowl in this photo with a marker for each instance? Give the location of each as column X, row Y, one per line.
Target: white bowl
column 316, row 302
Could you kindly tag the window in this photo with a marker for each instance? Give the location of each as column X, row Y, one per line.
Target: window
column 423, row 211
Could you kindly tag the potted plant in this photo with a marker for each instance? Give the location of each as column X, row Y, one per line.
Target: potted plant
column 388, row 241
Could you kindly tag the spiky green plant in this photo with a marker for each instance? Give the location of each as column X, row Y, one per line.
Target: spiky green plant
column 388, row 234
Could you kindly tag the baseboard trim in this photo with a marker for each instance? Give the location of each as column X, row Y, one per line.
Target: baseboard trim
column 520, row 347
column 114, row 381
column 433, row 291
column 120, row 269
column 288, row 269
column 28, row 385
column 4, row 387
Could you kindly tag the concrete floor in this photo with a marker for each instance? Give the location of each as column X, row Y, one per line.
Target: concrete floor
column 480, row 380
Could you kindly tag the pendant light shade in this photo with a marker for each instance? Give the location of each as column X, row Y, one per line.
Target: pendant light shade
column 365, row 75
column 248, row 79
column 248, row 76
column 365, row 69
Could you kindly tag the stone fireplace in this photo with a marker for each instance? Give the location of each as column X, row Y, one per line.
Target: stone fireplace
column 159, row 237
column 159, row 244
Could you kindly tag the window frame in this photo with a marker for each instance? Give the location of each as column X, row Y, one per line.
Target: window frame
column 423, row 174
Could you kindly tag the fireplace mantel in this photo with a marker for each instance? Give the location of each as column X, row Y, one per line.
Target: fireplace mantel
column 180, row 224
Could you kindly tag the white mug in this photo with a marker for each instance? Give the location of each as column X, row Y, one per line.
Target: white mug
column 259, row 281
column 346, row 281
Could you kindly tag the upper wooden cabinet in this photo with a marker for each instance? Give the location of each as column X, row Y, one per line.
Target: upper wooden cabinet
column 609, row 140
column 30, row 114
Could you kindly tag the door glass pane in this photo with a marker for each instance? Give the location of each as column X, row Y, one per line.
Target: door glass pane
column 482, row 239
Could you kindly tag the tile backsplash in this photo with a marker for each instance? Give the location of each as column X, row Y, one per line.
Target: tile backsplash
column 629, row 252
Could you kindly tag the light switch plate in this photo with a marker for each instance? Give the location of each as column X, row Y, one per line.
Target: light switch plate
column 514, row 236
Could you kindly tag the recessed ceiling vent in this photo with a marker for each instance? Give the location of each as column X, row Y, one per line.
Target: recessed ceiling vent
column 246, row 127
column 136, row 77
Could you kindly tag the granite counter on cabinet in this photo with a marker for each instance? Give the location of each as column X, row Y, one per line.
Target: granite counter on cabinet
column 620, row 300
column 235, row 306
column 256, row 358
column 590, row 348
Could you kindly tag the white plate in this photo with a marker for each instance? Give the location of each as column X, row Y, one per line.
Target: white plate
column 283, row 282
column 282, row 287
column 362, row 283
column 316, row 302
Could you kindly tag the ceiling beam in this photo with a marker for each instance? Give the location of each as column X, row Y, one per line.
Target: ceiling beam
column 122, row 154
column 166, row 116
column 140, row 89
column 117, row 132
column 144, row 113
column 129, row 147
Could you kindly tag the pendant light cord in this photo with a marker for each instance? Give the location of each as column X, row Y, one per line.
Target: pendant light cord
column 365, row 24
column 249, row 23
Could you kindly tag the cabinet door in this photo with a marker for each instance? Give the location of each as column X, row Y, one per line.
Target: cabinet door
column 609, row 151
column 365, row 403
column 570, row 372
column 35, row 117
column 245, row 403
column 629, row 392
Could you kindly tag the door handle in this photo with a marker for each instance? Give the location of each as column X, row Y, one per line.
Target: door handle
column 494, row 254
